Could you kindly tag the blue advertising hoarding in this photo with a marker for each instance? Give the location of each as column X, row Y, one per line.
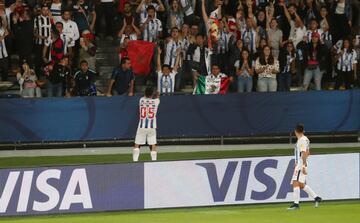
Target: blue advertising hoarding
column 102, row 118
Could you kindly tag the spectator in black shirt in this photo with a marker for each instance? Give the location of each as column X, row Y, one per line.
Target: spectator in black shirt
column 59, row 79
column 122, row 79
column 84, row 80
column 24, row 36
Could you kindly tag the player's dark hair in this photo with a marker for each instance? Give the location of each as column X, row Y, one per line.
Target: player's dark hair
column 150, row 7
column 124, row 60
column 174, row 28
column 149, row 91
column 166, row 66
column 83, row 62
column 59, row 23
column 299, row 128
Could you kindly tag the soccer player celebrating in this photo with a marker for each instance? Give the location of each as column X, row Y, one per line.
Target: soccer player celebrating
column 146, row 132
column 302, row 152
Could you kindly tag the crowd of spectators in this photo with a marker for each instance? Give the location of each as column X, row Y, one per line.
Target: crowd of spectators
column 260, row 45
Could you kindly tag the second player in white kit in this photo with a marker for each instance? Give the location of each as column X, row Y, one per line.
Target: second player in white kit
column 302, row 152
column 146, row 132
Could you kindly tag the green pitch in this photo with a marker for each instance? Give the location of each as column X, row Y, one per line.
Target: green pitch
column 331, row 212
column 9, row 162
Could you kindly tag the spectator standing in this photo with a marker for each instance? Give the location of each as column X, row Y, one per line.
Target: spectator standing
column 287, row 67
column 84, row 15
column 175, row 16
column 201, row 58
column 341, row 11
column 300, row 61
column 172, row 47
column 188, row 9
column 127, row 13
column 298, row 29
column 250, row 36
column 346, row 62
column 235, row 54
column 59, row 26
column 266, row 66
column 42, row 33
column 142, row 9
column 275, row 37
column 4, row 63
column 58, row 83
column 105, row 9
column 122, row 79
column 56, row 9
column 53, row 50
column 152, row 27
column 88, row 49
column 130, row 31
column 166, row 74
column 313, row 27
column 314, row 59
column 245, row 71
column 23, row 30
column 71, row 31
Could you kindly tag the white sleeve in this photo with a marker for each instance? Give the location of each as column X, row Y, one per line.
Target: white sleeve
column 160, row 26
column 236, row 64
column 257, row 64
column 76, row 32
column 354, row 59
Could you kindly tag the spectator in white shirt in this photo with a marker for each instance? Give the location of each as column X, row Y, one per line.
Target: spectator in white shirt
column 71, row 32
column 144, row 4
column 172, row 47
column 267, row 67
column 166, row 74
column 297, row 30
column 152, row 27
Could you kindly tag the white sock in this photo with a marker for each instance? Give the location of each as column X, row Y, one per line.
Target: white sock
column 296, row 195
column 136, row 154
column 309, row 191
column 153, row 155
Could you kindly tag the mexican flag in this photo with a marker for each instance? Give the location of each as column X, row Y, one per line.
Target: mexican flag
column 211, row 85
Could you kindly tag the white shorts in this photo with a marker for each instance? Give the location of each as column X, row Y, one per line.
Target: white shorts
column 299, row 176
column 144, row 136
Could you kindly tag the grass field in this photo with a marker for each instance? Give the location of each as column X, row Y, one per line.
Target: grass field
column 331, row 212
column 7, row 162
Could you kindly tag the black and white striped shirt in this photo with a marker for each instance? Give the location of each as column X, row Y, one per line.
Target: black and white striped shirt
column 170, row 56
column 223, row 43
column 289, row 60
column 347, row 60
column 152, row 30
column 42, row 27
column 3, row 51
column 326, row 36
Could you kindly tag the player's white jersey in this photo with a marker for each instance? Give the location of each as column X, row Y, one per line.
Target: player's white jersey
column 302, row 145
column 148, row 110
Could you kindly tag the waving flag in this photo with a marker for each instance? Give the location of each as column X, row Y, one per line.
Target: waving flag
column 140, row 53
column 211, row 85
